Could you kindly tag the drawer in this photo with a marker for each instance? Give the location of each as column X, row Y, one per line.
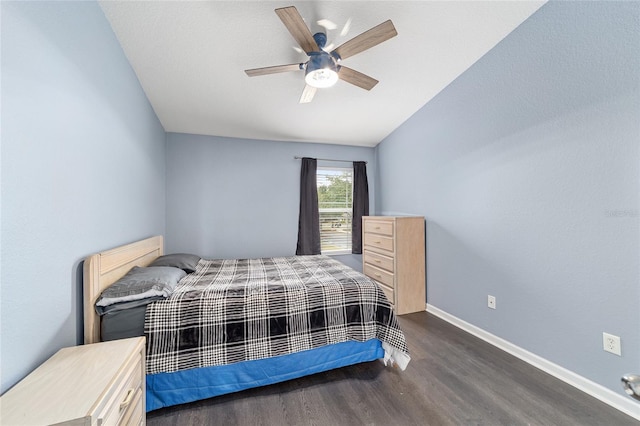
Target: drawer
column 134, row 411
column 378, row 274
column 378, row 242
column 120, row 403
column 384, row 227
column 378, row 260
column 388, row 292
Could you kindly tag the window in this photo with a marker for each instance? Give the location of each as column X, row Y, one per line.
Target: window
column 335, row 202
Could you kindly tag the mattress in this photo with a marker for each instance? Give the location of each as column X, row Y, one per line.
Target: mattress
column 123, row 324
column 236, row 310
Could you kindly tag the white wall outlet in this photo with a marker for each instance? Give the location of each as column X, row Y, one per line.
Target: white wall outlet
column 491, row 301
column 611, row 343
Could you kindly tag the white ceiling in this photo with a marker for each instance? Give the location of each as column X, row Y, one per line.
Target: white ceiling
column 190, row 58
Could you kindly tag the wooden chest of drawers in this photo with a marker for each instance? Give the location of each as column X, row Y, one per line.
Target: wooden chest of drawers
column 393, row 255
column 97, row 384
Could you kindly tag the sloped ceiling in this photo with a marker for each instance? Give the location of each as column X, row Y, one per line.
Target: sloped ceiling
column 190, row 58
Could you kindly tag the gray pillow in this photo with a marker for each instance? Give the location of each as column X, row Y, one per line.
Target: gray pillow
column 141, row 283
column 185, row 261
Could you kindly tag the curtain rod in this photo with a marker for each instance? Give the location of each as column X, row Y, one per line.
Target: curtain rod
column 329, row 159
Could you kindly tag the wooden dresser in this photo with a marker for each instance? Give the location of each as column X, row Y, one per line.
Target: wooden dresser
column 393, row 255
column 97, row 384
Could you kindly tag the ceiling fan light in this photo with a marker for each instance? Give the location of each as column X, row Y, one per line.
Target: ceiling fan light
column 321, row 78
column 322, row 70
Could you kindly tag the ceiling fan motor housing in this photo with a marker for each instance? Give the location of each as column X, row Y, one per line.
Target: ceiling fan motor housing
column 321, row 39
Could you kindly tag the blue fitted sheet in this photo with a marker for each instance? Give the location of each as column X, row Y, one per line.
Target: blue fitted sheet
column 167, row 389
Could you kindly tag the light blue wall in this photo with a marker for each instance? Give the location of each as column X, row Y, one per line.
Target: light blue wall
column 230, row 198
column 83, row 169
column 527, row 169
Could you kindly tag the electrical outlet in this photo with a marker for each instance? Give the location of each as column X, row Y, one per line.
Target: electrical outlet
column 491, row 301
column 611, row 343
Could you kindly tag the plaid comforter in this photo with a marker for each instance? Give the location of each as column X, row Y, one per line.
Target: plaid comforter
column 245, row 309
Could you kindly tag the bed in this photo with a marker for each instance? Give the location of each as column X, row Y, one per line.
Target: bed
column 235, row 324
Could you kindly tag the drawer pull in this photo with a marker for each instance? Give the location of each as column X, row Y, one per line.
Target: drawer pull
column 128, row 399
column 378, row 276
column 377, row 260
column 377, row 227
column 378, row 242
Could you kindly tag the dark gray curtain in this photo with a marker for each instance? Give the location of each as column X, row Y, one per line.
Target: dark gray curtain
column 309, row 219
column 360, row 204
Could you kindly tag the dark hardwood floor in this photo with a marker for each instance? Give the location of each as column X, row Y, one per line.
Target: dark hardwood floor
column 453, row 378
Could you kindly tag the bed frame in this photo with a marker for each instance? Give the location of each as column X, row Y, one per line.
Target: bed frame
column 103, row 269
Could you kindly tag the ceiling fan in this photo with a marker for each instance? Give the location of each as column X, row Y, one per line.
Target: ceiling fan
column 323, row 68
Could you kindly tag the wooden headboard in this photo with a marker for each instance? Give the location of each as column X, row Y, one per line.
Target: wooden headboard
column 103, row 269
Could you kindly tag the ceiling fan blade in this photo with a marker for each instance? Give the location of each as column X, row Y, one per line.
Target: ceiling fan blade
column 308, row 94
column 273, row 70
column 356, row 78
column 325, row 23
column 367, row 39
column 346, row 28
column 298, row 29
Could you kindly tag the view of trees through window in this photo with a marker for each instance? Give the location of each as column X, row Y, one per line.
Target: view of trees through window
column 335, row 200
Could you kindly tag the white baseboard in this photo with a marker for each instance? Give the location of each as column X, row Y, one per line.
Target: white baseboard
column 619, row 402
